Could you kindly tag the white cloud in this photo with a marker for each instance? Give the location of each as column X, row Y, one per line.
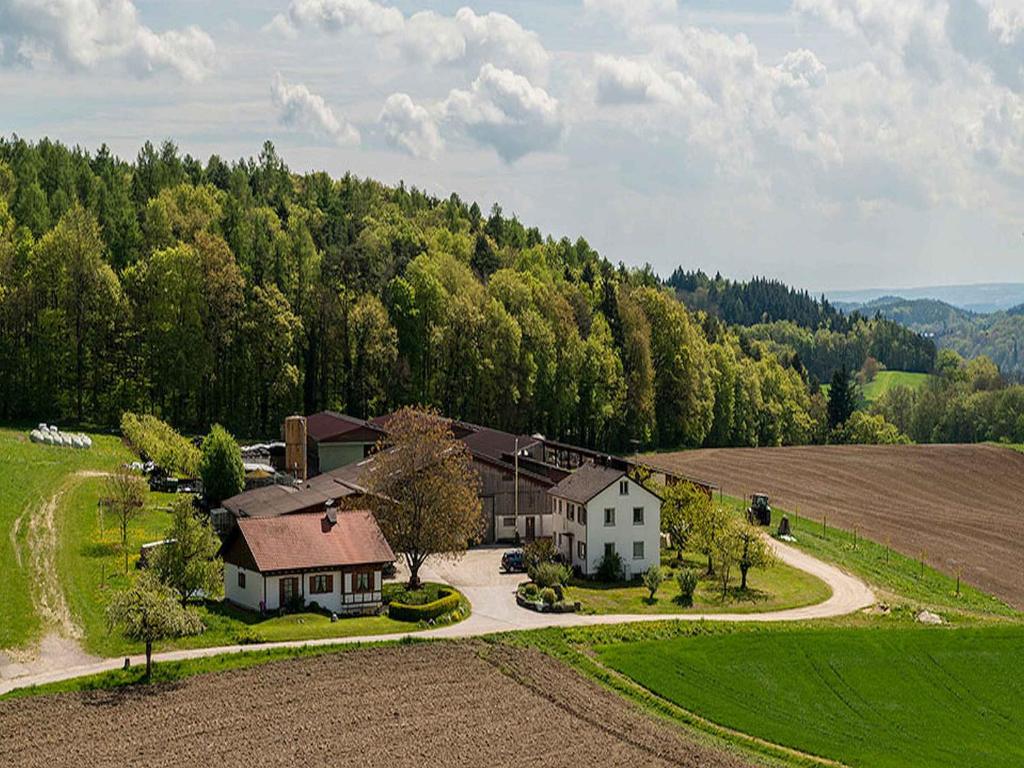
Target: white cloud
column 82, row 34
column 302, row 109
column 427, row 36
column 410, row 126
column 504, row 110
column 631, row 11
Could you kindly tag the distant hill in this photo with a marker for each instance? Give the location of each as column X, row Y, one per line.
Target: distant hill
column 998, row 335
column 979, row 298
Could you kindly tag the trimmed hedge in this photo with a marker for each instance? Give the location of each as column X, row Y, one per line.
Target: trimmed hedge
column 446, row 603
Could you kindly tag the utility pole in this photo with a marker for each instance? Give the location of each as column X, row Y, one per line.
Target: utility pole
column 517, row 482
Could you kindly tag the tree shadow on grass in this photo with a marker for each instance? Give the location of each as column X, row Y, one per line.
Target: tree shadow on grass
column 99, row 549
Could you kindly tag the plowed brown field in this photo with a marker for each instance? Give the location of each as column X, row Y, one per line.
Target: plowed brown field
column 961, row 504
column 445, row 704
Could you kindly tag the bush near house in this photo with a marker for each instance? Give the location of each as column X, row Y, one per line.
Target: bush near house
column 448, row 601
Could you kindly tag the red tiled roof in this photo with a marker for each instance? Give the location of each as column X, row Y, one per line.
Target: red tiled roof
column 304, row 541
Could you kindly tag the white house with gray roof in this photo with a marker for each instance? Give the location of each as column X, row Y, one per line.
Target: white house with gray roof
column 598, row 509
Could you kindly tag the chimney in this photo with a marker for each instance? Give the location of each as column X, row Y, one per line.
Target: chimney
column 329, row 520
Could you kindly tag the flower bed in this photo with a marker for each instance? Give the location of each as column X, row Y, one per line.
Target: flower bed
column 530, row 597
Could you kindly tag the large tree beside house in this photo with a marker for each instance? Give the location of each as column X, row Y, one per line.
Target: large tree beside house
column 424, row 489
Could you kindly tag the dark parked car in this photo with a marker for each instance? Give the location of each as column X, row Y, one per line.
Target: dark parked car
column 513, row 561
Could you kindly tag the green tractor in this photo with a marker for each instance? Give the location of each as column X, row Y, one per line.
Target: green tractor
column 759, row 512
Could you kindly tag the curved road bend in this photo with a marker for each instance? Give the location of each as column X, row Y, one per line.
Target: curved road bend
column 492, row 595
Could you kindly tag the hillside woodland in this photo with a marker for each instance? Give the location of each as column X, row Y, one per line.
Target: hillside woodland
column 236, row 293
column 997, row 335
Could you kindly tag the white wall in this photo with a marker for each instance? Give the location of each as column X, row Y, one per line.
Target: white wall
column 542, row 526
column 252, row 594
column 624, row 532
column 339, row 600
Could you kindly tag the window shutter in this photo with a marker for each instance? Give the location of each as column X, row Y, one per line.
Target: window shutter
column 330, row 582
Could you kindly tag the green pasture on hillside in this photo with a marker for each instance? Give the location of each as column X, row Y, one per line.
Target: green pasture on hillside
column 886, row 697
column 29, row 475
column 886, row 380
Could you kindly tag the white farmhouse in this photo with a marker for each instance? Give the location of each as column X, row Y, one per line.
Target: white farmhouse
column 598, row 509
column 333, row 559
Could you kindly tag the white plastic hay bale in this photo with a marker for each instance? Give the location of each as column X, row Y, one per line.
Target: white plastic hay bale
column 77, row 442
column 48, row 438
column 42, row 426
column 86, row 441
column 35, row 436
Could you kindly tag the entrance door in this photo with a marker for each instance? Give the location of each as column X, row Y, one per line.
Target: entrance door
column 531, row 528
column 289, row 590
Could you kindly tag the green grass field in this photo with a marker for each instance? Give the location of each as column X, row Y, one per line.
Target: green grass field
column 773, row 589
column 892, row 698
column 886, row 380
column 29, row 475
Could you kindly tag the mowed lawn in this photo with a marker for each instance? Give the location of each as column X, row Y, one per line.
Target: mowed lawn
column 29, row 475
column 892, row 697
column 91, row 566
column 773, row 589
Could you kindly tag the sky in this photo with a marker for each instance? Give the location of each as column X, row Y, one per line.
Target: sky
column 828, row 143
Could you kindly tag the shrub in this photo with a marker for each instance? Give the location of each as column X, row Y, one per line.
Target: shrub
column 537, row 553
column 156, row 441
column 447, row 602
column 550, row 574
column 530, row 590
column 687, row 580
column 548, row 596
column 652, row 580
column 610, row 568
column 248, row 636
column 221, row 466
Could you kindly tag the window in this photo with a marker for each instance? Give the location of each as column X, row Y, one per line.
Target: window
column 581, row 550
column 638, row 515
column 583, row 515
column 572, row 511
column 623, row 487
column 508, row 522
column 559, row 506
column 321, row 584
column 638, row 550
column 609, row 549
column 241, row 579
column 609, row 516
column 361, row 582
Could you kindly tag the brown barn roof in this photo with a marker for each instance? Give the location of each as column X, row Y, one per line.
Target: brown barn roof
column 334, row 427
column 272, row 500
column 308, row 541
column 586, row 482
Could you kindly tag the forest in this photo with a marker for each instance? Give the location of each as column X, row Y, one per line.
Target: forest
column 239, row 292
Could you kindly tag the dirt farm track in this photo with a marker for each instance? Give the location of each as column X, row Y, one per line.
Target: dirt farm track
column 963, row 505
column 453, row 704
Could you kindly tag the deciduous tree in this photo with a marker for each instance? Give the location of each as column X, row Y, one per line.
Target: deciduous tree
column 187, row 561
column 221, row 466
column 148, row 611
column 424, row 490
column 126, row 495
